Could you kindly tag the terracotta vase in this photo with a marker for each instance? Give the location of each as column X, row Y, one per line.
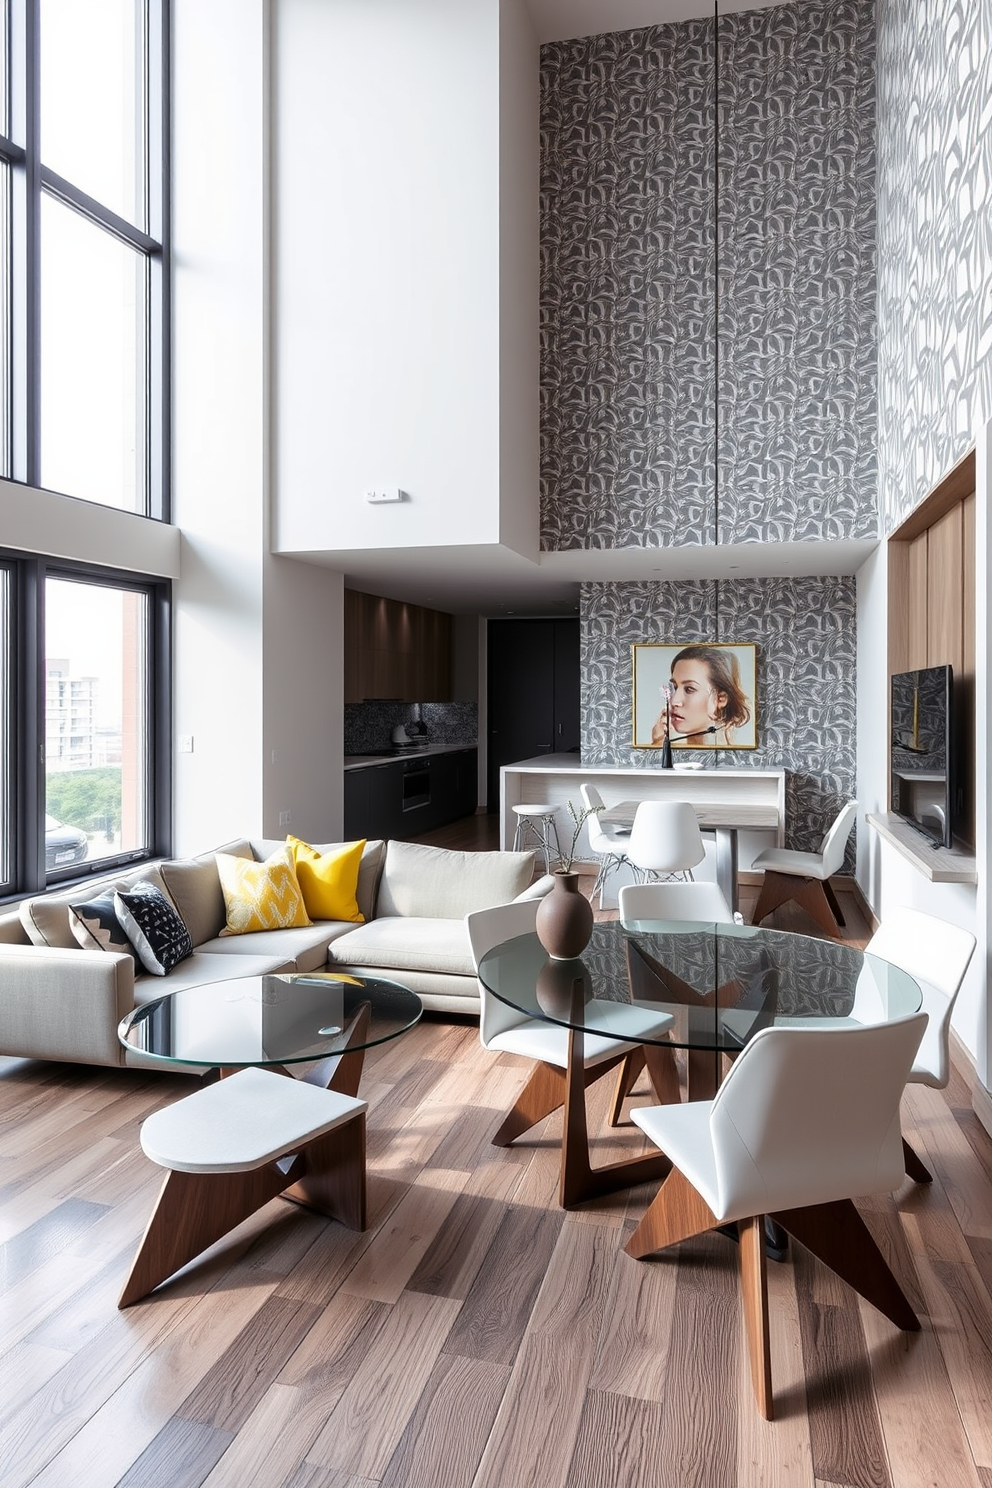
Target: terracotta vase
column 564, row 918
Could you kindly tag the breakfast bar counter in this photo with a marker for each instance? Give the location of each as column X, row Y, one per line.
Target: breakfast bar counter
column 746, row 807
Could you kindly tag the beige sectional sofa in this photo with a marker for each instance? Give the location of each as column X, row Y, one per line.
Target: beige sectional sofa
column 59, row 1001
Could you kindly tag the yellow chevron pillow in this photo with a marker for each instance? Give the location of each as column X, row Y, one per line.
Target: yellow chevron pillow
column 261, row 896
column 329, row 879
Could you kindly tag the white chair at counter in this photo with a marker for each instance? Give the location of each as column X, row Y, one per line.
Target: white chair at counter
column 805, row 876
column 608, row 843
column 538, row 824
column 665, row 840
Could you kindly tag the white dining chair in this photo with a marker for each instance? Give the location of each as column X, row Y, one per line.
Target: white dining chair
column 936, row 954
column 503, row 1029
column 609, row 843
column 805, row 876
column 665, row 840
column 777, row 1141
column 700, row 901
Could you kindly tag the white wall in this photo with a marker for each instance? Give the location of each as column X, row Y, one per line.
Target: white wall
column 257, row 641
column 387, row 272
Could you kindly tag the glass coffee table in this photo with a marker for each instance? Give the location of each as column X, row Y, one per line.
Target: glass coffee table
column 325, row 1020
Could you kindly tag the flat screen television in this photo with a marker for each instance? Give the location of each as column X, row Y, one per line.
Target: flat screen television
column 922, row 733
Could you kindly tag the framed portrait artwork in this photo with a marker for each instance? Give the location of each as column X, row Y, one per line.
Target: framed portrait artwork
column 703, row 695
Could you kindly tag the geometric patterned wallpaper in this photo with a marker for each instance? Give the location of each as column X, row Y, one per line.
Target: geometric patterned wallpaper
column 628, row 291
column 805, row 632
column 935, row 242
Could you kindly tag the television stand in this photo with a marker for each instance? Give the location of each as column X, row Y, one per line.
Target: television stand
column 956, row 864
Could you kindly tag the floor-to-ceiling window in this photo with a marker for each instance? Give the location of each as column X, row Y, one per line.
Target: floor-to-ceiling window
column 84, row 687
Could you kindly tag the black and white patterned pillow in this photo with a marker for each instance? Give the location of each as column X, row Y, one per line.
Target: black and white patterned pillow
column 154, row 926
column 96, row 927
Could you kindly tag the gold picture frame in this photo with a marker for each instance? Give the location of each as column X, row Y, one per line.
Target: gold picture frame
column 714, row 697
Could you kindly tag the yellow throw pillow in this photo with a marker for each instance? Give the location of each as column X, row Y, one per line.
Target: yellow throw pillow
column 329, row 880
column 261, row 896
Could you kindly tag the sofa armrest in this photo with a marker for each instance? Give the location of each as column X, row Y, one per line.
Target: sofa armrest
column 536, row 890
column 57, row 1004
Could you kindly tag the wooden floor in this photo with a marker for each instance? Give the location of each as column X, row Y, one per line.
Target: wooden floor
column 475, row 1334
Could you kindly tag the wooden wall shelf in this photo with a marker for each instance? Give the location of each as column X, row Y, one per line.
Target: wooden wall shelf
column 938, row 864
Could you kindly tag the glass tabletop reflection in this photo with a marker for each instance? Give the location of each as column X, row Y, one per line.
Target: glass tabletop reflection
column 277, row 1019
column 720, row 983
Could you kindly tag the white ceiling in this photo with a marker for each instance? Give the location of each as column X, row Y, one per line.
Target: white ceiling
column 496, row 581
column 556, row 20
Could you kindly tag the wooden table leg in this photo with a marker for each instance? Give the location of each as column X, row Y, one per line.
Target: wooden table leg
column 578, row 1180
column 342, row 1072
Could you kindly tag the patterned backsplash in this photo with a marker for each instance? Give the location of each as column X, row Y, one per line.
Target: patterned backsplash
column 627, row 281
column 805, row 633
column 369, row 726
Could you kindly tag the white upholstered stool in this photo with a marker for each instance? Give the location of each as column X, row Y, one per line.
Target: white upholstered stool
column 538, row 824
column 233, row 1146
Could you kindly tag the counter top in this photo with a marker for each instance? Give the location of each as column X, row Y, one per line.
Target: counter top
column 363, row 761
column 559, row 764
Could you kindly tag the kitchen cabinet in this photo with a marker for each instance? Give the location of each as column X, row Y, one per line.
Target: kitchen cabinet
column 534, row 689
column 395, row 650
column 401, row 798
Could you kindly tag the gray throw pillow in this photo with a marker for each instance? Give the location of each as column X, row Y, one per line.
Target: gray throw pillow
column 154, row 927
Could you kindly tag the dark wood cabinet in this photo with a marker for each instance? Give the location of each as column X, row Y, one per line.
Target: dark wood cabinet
column 395, row 650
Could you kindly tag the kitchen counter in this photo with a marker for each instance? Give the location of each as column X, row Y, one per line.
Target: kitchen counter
column 361, row 761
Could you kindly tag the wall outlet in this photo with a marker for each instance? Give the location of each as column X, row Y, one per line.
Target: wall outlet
column 284, row 817
column 185, row 743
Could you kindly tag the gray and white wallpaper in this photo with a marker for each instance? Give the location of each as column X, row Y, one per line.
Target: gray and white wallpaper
column 807, row 671
column 934, row 242
column 629, row 312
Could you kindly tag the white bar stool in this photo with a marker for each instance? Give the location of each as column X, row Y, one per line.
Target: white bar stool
column 538, row 823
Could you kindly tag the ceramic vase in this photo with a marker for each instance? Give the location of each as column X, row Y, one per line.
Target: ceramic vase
column 564, row 918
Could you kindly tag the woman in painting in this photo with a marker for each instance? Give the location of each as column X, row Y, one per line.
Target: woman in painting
column 706, row 700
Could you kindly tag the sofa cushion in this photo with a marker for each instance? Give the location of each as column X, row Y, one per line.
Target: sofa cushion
column 154, row 927
column 407, row 943
column 437, row 883
column 261, row 896
column 329, row 880
column 96, row 926
column 46, row 917
column 204, row 967
column 368, row 873
column 194, row 887
column 306, row 948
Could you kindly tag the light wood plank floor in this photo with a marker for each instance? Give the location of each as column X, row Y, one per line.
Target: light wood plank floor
column 474, row 1335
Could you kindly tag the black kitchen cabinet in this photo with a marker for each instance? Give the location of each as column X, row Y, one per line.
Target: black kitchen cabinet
column 404, row 797
column 533, row 693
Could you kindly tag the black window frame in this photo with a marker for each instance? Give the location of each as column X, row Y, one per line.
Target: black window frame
column 26, row 743
column 28, row 180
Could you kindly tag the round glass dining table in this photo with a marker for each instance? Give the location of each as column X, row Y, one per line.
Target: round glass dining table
column 719, row 983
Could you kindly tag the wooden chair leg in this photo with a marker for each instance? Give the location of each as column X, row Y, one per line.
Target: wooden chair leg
column 543, row 1093
column 833, row 901
column 809, row 893
column 626, row 1080
column 334, row 1182
column 776, row 889
column 754, row 1295
column 193, row 1211
column 677, row 1212
column 839, row 1237
column 915, row 1167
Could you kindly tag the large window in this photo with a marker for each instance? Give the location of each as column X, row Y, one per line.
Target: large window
column 85, row 714
column 83, row 271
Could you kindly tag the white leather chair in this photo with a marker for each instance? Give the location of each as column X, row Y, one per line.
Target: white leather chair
column 676, row 901
column 805, row 876
column 665, row 840
column 778, row 1141
column 505, row 1030
column 937, row 955
column 608, row 843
